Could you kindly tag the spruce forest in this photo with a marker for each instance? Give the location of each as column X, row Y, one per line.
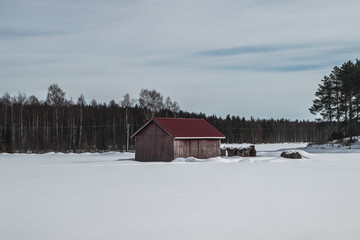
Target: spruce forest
column 57, row 123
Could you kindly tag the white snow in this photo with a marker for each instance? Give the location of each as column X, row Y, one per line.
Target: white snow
column 110, row 196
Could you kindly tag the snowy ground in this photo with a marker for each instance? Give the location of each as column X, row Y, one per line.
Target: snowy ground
column 110, row 196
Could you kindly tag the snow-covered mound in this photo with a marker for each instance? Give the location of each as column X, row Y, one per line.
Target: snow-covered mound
column 215, row 160
column 337, row 145
column 267, row 146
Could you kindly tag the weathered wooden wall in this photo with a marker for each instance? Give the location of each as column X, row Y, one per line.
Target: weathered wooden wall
column 154, row 144
column 198, row 148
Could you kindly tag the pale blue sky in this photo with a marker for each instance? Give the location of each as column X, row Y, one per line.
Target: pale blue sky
column 247, row 58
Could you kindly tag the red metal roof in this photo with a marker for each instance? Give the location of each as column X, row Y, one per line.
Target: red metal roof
column 186, row 128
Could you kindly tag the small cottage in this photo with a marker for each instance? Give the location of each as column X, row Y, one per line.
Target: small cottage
column 164, row 139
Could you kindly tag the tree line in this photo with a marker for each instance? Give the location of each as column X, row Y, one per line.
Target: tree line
column 28, row 124
column 338, row 100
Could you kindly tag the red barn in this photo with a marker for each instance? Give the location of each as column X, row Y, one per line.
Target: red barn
column 164, row 139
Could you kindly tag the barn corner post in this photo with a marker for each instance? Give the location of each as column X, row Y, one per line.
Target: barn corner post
column 164, row 139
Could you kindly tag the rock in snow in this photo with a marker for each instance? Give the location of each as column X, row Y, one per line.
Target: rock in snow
column 291, row 154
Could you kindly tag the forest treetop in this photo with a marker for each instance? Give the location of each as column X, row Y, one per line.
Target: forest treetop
column 150, row 101
column 28, row 124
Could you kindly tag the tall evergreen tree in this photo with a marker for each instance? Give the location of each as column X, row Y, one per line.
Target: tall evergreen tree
column 324, row 103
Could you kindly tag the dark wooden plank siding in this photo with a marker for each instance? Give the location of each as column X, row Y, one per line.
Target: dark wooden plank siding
column 198, row 148
column 154, row 144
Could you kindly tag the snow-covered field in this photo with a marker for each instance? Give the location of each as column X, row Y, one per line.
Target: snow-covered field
column 110, row 196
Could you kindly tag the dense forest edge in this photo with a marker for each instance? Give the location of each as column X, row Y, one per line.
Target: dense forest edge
column 58, row 124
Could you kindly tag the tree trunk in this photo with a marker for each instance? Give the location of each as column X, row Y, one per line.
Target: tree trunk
column 350, row 118
column 80, row 127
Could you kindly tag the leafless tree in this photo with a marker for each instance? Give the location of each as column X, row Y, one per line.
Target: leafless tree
column 56, row 98
column 127, row 103
column 81, row 103
column 151, row 102
column 171, row 106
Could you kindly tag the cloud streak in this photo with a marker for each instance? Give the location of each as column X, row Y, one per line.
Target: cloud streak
column 327, row 49
column 264, row 58
column 25, row 33
column 241, row 50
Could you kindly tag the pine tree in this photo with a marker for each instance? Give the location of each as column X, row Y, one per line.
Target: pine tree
column 325, row 101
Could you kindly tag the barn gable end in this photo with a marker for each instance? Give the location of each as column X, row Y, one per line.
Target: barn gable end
column 154, row 144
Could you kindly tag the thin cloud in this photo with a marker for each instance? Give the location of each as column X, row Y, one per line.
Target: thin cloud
column 240, row 50
column 262, row 58
column 276, row 68
column 6, row 33
column 265, row 49
column 276, row 58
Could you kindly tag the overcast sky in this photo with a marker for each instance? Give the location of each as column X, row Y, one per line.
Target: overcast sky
column 260, row 58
